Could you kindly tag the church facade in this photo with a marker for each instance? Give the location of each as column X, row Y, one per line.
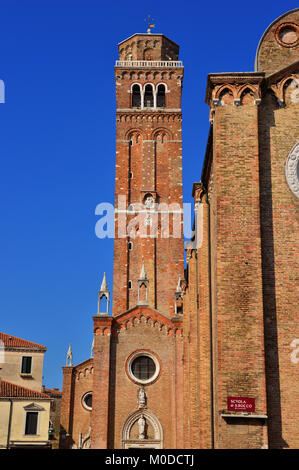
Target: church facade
column 207, row 356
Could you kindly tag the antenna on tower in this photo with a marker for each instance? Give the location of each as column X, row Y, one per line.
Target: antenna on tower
column 149, row 20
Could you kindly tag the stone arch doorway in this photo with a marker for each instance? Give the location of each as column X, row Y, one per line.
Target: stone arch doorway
column 142, row 429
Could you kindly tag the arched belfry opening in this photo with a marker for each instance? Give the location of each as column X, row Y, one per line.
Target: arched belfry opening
column 161, row 103
column 136, row 96
column 148, row 96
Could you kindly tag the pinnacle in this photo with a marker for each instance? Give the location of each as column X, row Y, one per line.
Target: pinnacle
column 104, row 286
column 178, row 287
column 143, row 275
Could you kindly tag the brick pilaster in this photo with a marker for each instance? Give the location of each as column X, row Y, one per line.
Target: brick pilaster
column 101, row 381
column 66, row 420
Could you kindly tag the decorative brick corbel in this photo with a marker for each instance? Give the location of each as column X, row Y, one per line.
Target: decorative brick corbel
column 198, row 191
column 216, row 102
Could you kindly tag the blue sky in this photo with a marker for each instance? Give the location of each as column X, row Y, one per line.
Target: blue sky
column 57, row 145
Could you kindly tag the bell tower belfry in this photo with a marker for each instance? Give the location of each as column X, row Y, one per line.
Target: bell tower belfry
column 148, row 180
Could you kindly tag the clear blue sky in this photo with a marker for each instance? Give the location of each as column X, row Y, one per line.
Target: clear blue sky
column 57, row 144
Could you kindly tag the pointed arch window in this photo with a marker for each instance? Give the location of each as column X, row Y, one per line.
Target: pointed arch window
column 136, row 96
column 161, row 96
column 148, row 96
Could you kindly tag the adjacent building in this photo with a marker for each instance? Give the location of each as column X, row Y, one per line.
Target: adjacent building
column 24, row 419
column 24, row 408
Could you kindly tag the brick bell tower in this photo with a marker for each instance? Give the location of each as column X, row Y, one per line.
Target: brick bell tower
column 129, row 393
column 138, row 350
column 148, row 252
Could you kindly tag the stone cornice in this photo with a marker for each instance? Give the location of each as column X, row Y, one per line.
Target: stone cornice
column 256, row 81
column 282, row 73
column 145, row 69
column 237, row 80
column 23, row 349
column 113, row 325
column 83, row 364
column 277, row 81
column 155, row 112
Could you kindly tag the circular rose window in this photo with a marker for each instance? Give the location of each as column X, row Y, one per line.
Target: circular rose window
column 292, row 170
column 87, row 401
column 143, row 367
column 287, row 35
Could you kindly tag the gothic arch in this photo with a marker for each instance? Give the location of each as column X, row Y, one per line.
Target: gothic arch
column 159, row 131
column 247, row 88
column 226, row 94
column 133, row 132
column 288, row 88
column 150, row 418
column 247, row 95
column 279, row 88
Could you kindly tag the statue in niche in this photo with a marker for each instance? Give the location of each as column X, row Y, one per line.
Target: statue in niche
column 149, row 202
column 141, row 427
column 141, row 398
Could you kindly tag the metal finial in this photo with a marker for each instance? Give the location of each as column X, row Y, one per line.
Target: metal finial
column 149, row 20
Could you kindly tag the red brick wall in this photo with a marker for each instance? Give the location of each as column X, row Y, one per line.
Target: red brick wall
column 66, row 417
column 229, row 276
column 115, row 394
column 101, row 383
column 253, row 259
column 164, row 347
column 83, row 383
column 279, row 132
column 74, row 418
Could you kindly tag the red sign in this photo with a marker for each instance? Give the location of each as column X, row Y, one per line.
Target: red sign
column 240, row 404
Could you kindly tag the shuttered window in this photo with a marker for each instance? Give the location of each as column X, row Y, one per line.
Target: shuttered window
column 26, row 365
column 31, row 422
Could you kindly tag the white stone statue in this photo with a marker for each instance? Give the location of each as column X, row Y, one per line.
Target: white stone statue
column 69, row 357
column 141, row 427
column 141, row 398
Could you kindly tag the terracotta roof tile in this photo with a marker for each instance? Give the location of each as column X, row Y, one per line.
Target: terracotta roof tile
column 10, row 390
column 14, row 342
